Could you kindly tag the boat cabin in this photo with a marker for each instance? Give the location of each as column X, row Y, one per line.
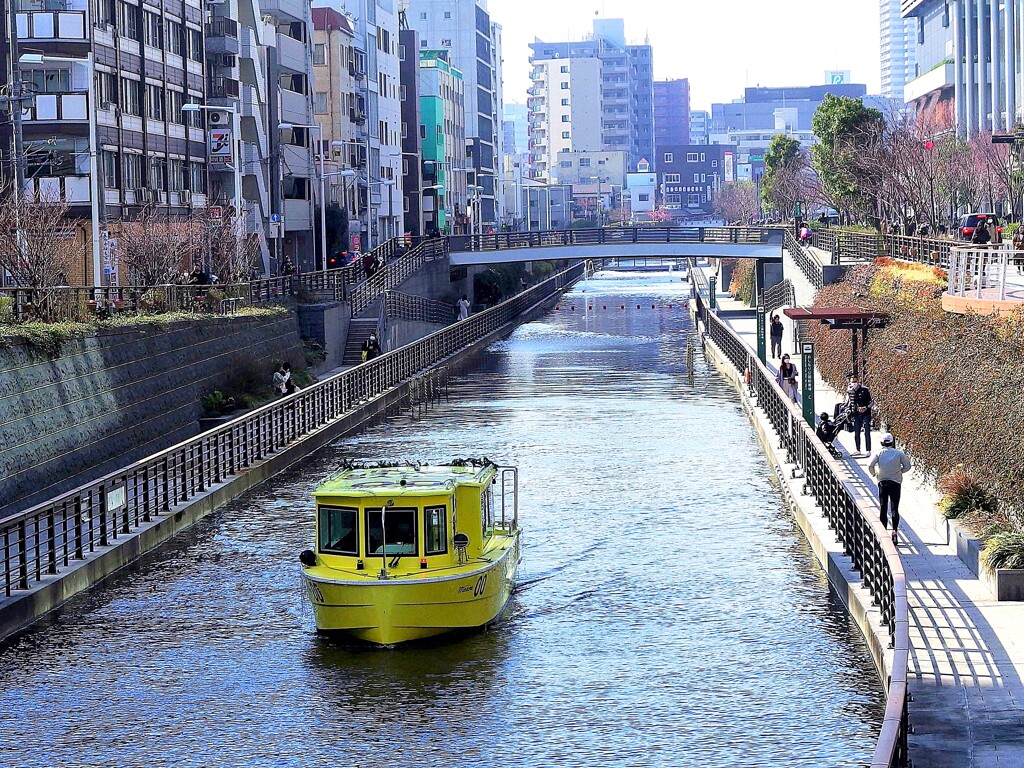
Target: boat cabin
column 401, row 519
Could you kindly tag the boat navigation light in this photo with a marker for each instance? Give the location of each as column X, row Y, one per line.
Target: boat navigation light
column 423, row 563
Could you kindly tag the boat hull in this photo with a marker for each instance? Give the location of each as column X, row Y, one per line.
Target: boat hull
column 413, row 606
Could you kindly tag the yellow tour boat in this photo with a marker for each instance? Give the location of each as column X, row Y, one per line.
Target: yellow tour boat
column 405, row 552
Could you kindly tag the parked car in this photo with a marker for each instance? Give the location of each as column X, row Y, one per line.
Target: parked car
column 969, row 222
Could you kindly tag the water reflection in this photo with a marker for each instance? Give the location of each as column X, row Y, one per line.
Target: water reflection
column 670, row 612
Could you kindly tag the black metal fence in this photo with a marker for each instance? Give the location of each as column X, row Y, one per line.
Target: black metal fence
column 856, row 527
column 618, row 235
column 40, row 541
column 807, row 263
column 402, row 306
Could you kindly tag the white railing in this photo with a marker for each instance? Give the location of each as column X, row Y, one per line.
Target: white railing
column 984, row 272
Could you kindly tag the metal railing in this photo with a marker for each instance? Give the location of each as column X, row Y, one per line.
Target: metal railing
column 46, row 538
column 779, row 295
column 807, row 263
column 926, row 250
column 985, row 273
column 402, row 306
column 616, row 235
column 395, row 272
column 863, row 537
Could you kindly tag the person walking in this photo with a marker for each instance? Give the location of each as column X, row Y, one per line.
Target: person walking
column 463, row 308
column 776, row 336
column 371, row 348
column 1018, row 248
column 860, row 405
column 369, row 264
column 888, row 466
column 786, row 378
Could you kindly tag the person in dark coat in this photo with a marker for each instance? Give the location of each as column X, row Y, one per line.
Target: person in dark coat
column 860, row 405
column 776, row 336
column 371, row 348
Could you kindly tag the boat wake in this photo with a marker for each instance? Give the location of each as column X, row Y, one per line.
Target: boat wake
column 580, row 556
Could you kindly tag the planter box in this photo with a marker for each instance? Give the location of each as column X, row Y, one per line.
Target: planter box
column 1005, row 584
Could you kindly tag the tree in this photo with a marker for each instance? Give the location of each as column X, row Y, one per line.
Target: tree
column 39, row 246
column 156, row 248
column 784, row 182
column 844, row 127
column 737, row 202
column 234, row 253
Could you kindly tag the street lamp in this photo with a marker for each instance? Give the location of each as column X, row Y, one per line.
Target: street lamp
column 369, row 204
column 94, row 172
column 323, row 198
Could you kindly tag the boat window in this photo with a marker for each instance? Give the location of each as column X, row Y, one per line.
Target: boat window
column 398, row 533
column 435, row 530
column 487, row 512
column 338, row 531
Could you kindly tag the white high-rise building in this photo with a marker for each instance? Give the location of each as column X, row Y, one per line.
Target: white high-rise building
column 897, row 48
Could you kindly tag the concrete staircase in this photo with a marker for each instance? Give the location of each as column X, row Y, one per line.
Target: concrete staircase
column 359, row 331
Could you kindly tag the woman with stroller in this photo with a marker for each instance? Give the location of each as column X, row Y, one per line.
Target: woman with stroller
column 786, row 378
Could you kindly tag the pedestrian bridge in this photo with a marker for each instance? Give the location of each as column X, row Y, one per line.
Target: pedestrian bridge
column 611, row 242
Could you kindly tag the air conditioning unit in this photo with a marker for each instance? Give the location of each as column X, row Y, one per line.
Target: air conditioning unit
column 185, row 197
column 216, row 118
column 105, row 105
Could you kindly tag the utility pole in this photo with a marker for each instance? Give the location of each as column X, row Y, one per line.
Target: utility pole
column 16, row 95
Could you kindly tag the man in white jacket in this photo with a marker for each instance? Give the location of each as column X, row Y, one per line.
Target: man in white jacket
column 888, row 465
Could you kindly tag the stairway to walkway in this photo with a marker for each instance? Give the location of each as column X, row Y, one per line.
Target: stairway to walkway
column 359, row 331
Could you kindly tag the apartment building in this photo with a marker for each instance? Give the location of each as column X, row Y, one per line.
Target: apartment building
column 690, row 176
column 897, row 48
column 412, row 143
column 465, row 28
column 616, row 76
column 105, row 130
column 442, row 130
column 671, row 112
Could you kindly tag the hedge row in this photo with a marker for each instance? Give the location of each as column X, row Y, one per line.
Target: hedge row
column 951, row 387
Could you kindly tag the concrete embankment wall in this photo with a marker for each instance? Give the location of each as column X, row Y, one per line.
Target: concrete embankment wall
column 24, row 608
column 845, row 581
column 113, row 398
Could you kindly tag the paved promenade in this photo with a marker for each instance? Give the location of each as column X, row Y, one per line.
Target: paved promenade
column 967, row 649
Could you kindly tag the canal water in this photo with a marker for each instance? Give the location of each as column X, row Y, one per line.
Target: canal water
column 670, row 612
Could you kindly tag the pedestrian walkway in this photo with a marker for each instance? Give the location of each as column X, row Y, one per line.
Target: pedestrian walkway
column 967, row 649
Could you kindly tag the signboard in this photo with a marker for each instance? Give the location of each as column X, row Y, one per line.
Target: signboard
column 275, row 218
column 216, row 212
column 220, row 146
column 762, row 353
column 837, row 77
column 807, row 382
column 276, row 230
column 728, row 171
column 109, row 253
column 357, row 244
column 115, row 498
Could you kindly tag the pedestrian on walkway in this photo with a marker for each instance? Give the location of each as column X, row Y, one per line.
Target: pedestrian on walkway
column 283, row 380
column 888, row 466
column 1018, row 247
column 786, row 378
column 369, row 264
column 463, row 308
column 860, row 405
column 371, row 348
column 776, row 335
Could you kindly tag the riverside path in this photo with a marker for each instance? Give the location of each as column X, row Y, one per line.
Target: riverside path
column 967, row 649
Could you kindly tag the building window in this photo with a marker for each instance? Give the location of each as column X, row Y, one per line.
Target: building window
column 447, row 14
column 696, row 178
column 321, row 102
column 423, row 15
column 131, row 97
column 564, row 69
column 157, row 173
column 565, row 102
column 565, row 118
column 702, row 156
column 107, row 82
column 198, row 177
column 671, row 178
column 565, row 134
column 132, row 171
column 173, row 36
column 673, row 199
column 154, row 30
column 176, row 175
column 128, row 21
column 565, row 164
column 195, row 44
column 319, row 54
column 401, row 51
column 693, row 199
column 155, row 99
column 668, row 157
column 175, row 100
column 584, row 162
column 644, row 198
column 714, row 163
column 565, row 86
column 110, row 170
column 403, row 92
column 703, row 177
column 692, row 157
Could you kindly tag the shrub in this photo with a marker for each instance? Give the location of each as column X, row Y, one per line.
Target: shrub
column 153, row 300
column 213, row 402
column 742, row 285
column 314, row 352
column 1004, row 550
column 250, row 381
column 6, row 309
column 213, row 298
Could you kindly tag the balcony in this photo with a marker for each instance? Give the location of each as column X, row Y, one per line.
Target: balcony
column 59, row 106
column 291, row 10
column 295, row 161
column 935, row 80
column 222, row 36
column 52, row 25
column 292, row 54
column 294, row 108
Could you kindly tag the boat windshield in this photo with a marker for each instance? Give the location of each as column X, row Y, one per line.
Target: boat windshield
column 398, row 534
column 338, row 534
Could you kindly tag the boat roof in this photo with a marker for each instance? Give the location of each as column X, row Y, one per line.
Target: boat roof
column 418, row 481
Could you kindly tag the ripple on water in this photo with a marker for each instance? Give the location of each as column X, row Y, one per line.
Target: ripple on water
column 670, row 612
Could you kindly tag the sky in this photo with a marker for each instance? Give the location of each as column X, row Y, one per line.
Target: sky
column 722, row 46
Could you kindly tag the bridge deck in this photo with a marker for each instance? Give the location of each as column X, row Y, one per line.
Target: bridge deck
column 611, row 242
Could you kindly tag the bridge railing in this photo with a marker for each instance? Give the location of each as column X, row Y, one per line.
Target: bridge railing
column 858, row 529
column 807, row 263
column 41, row 541
column 616, row 235
column 402, row 306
